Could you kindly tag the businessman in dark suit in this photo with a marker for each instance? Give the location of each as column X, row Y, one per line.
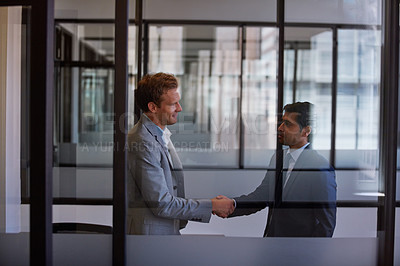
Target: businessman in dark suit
column 301, row 195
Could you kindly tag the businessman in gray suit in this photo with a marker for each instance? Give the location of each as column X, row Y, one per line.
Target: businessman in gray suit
column 157, row 204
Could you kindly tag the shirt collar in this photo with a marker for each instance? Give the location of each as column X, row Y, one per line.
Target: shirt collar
column 295, row 153
column 159, row 128
column 165, row 134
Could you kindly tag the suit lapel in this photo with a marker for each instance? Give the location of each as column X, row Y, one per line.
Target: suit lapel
column 155, row 132
column 176, row 174
column 299, row 165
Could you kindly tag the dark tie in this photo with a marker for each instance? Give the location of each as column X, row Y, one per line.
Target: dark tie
column 280, row 178
column 285, row 168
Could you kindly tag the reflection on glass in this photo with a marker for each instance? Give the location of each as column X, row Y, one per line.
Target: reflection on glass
column 358, row 95
column 206, row 61
column 259, row 95
column 358, row 110
column 84, row 83
column 308, row 77
column 84, row 110
column 97, row 101
column 89, row 42
column 334, row 11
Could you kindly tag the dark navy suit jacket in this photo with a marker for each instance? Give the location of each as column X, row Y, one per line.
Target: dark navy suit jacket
column 306, row 207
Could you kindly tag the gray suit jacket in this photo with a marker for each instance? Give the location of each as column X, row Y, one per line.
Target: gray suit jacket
column 154, row 207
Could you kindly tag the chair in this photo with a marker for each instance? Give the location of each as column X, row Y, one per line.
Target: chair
column 81, row 228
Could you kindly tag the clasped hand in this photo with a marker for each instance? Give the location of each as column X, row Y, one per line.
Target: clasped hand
column 222, row 206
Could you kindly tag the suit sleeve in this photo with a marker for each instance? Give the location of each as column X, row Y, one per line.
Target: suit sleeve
column 259, row 198
column 324, row 191
column 145, row 166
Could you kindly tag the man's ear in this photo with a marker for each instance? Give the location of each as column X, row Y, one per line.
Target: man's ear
column 152, row 107
column 306, row 131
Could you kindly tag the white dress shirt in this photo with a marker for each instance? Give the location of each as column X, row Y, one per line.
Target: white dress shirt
column 293, row 154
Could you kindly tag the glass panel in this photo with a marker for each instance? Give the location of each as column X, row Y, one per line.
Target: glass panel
column 334, row 11
column 96, row 107
column 357, row 116
column 87, row 9
column 267, row 251
column 206, row 61
column 83, row 125
column 85, row 42
column 259, row 95
column 132, row 9
column 211, row 10
column 84, row 110
column 308, row 77
column 14, row 135
column 359, row 56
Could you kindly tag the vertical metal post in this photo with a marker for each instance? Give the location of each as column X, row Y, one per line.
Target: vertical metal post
column 332, row 156
column 139, row 24
column 281, row 51
column 41, row 139
column 296, row 55
column 240, row 107
column 145, row 60
column 279, row 154
column 120, row 135
column 388, row 131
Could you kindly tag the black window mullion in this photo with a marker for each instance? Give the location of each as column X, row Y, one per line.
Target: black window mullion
column 120, row 132
column 388, row 131
column 141, row 51
column 146, row 43
column 281, row 50
column 41, row 137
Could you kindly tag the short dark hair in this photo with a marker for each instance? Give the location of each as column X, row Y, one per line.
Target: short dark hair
column 151, row 87
column 305, row 114
column 304, row 109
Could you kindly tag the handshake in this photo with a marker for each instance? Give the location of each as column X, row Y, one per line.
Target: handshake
column 222, row 206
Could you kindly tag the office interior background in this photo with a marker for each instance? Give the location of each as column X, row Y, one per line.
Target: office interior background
column 238, row 63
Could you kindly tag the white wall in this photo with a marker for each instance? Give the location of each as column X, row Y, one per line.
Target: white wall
column 10, row 118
